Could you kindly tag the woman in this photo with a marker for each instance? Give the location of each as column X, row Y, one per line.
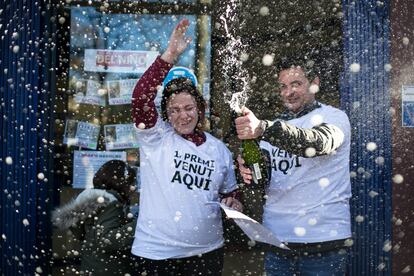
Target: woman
column 183, row 170
column 99, row 219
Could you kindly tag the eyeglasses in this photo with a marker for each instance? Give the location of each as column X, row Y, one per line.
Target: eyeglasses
column 175, row 111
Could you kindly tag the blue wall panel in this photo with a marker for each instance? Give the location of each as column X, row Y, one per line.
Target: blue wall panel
column 26, row 147
column 366, row 98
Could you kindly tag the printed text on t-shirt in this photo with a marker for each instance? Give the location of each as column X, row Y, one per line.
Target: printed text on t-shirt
column 283, row 161
column 192, row 171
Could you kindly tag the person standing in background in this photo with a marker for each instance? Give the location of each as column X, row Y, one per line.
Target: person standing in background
column 100, row 220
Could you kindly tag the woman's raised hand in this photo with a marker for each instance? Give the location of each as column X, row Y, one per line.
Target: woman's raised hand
column 178, row 42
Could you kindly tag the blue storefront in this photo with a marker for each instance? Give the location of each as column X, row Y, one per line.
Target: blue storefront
column 29, row 81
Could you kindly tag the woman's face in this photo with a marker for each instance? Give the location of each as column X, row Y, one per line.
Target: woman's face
column 182, row 112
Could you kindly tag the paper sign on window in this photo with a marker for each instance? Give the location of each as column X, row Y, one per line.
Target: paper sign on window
column 120, row 136
column 407, row 104
column 81, row 134
column 118, row 61
column 87, row 163
column 89, row 92
column 120, row 91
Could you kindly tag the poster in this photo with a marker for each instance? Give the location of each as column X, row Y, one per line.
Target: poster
column 89, row 92
column 120, row 91
column 87, row 163
column 118, row 61
column 120, row 136
column 407, row 104
column 114, row 91
column 69, row 137
column 81, row 134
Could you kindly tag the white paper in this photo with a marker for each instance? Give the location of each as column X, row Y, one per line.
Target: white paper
column 120, row 91
column 81, row 134
column 120, row 136
column 407, row 104
column 253, row 229
column 87, row 92
column 87, row 135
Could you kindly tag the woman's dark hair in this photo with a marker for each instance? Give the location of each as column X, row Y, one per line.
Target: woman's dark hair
column 180, row 85
column 117, row 176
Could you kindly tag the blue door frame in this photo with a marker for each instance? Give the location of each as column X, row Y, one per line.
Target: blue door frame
column 27, row 88
column 366, row 98
column 26, row 146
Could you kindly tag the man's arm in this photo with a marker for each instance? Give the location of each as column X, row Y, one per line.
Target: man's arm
column 320, row 140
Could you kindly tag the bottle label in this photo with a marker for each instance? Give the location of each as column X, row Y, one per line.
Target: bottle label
column 256, row 171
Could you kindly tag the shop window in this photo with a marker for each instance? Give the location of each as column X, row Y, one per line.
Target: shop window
column 105, row 51
column 108, row 54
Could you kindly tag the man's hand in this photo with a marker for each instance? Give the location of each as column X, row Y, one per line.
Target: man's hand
column 178, row 42
column 248, row 126
column 245, row 172
column 232, row 203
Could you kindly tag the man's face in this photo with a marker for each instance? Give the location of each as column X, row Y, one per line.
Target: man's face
column 295, row 88
column 182, row 113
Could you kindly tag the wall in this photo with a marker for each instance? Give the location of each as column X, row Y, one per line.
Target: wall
column 402, row 73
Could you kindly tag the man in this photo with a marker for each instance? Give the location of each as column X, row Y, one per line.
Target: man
column 307, row 200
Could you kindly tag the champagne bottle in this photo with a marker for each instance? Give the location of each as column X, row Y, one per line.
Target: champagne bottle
column 257, row 160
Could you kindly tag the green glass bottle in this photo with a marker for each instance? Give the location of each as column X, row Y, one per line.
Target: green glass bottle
column 257, row 160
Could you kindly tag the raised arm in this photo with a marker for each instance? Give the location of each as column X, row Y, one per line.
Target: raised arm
column 144, row 111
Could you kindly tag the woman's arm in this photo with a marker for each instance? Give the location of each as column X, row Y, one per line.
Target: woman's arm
column 144, row 111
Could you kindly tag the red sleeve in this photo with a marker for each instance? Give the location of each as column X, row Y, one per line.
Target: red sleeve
column 145, row 91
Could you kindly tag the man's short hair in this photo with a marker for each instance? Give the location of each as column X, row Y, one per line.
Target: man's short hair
column 306, row 61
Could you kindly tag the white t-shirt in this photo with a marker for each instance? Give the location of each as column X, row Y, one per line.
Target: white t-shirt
column 308, row 198
column 178, row 178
